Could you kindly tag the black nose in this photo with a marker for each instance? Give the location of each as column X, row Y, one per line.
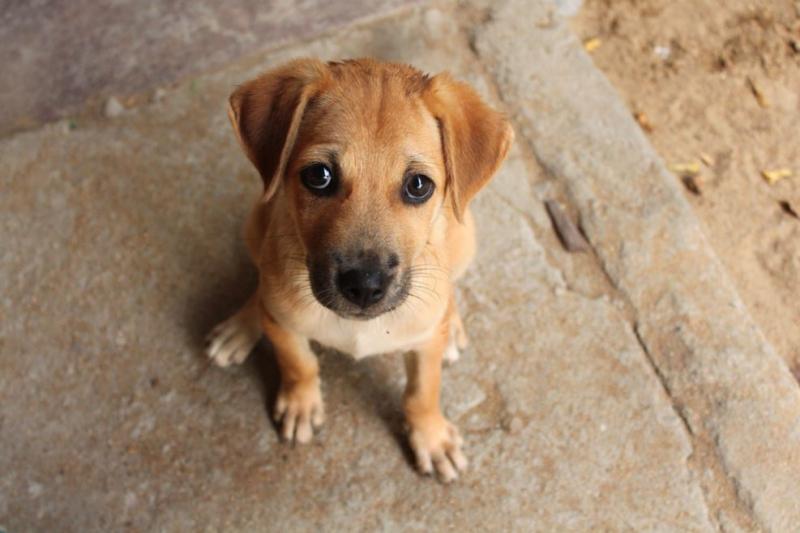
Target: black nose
column 362, row 286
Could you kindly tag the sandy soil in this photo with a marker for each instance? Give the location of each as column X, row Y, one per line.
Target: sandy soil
column 718, row 84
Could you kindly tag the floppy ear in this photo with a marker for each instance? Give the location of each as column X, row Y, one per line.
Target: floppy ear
column 266, row 114
column 475, row 138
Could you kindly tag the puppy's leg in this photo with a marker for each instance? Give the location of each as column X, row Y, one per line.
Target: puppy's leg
column 232, row 340
column 299, row 405
column 435, row 441
column 458, row 336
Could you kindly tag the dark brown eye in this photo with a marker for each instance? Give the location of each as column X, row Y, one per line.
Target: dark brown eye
column 319, row 179
column 418, row 189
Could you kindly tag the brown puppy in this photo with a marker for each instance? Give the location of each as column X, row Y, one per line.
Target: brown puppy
column 368, row 172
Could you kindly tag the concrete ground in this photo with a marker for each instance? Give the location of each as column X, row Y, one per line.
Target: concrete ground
column 622, row 389
column 59, row 56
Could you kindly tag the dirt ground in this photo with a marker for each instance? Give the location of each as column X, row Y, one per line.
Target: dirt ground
column 717, row 85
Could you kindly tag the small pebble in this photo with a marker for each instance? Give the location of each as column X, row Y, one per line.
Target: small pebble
column 35, row 490
column 158, row 95
column 663, row 52
column 514, row 425
column 113, row 108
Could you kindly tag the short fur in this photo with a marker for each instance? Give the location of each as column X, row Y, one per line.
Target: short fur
column 374, row 123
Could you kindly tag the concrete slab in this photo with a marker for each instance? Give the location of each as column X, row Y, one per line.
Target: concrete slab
column 121, row 248
column 734, row 393
column 57, row 55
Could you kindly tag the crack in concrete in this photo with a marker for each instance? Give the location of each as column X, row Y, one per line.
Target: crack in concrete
column 664, row 385
column 703, row 453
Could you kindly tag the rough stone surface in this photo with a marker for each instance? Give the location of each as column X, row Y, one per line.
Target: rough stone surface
column 734, row 393
column 568, row 8
column 58, row 54
column 121, row 249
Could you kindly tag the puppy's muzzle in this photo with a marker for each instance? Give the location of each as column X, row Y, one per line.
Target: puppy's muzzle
column 361, row 284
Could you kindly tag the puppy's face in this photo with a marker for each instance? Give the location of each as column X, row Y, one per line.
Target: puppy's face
column 364, row 184
column 366, row 154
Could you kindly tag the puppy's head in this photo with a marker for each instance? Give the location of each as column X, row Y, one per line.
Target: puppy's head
column 366, row 155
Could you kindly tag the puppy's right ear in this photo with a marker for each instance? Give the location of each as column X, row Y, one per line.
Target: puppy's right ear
column 266, row 114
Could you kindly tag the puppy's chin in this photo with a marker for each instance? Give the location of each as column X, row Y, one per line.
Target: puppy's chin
column 362, row 314
column 326, row 294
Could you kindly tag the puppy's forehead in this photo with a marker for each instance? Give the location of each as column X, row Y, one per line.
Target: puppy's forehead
column 377, row 108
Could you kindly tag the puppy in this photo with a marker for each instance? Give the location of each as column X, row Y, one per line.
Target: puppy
column 364, row 223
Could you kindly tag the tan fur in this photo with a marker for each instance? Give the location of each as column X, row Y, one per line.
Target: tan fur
column 376, row 123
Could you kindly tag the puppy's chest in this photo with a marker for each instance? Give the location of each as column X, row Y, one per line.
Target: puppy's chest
column 360, row 339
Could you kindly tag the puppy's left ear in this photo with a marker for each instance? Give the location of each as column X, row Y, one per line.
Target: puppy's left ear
column 475, row 138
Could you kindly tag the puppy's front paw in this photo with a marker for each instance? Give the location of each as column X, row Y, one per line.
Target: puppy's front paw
column 299, row 409
column 437, row 445
column 232, row 341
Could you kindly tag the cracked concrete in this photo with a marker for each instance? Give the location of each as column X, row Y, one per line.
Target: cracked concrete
column 737, row 397
column 615, row 390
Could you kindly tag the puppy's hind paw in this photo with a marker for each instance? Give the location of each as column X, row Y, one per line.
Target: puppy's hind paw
column 451, row 353
column 230, row 342
column 459, row 334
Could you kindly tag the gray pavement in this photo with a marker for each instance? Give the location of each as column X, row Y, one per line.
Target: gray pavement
column 60, row 56
column 625, row 389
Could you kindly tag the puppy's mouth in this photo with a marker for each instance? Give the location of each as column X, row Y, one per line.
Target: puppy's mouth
column 359, row 291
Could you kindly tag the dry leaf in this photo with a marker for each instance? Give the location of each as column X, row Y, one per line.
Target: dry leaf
column 592, row 44
column 641, row 118
column 788, row 209
column 568, row 233
column 758, row 93
column 707, row 160
column 693, row 183
column 775, row 175
column 685, row 169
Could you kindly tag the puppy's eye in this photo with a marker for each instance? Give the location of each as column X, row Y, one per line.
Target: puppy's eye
column 417, row 189
column 319, row 179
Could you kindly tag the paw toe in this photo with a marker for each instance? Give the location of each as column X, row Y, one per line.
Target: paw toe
column 444, row 468
column 317, row 416
column 299, row 409
column 288, row 425
column 459, row 459
column 304, row 432
column 424, row 462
